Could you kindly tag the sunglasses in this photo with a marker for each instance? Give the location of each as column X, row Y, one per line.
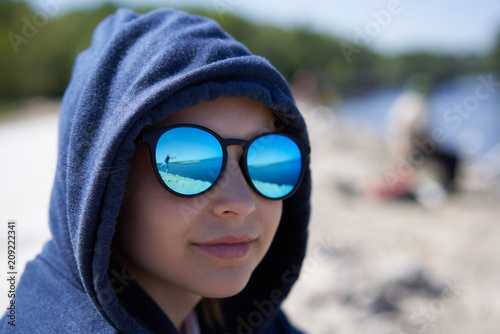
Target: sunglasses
column 189, row 160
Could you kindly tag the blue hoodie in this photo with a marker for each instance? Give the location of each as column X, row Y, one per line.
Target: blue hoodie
column 139, row 69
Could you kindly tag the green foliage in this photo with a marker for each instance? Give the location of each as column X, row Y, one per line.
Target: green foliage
column 37, row 51
column 37, row 56
column 300, row 48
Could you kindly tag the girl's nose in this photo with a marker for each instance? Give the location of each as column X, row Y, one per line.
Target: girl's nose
column 234, row 196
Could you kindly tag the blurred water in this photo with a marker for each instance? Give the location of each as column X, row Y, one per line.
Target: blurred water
column 467, row 110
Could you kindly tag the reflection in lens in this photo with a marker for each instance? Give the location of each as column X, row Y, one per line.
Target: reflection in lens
column 274, row 165
column 188, row 159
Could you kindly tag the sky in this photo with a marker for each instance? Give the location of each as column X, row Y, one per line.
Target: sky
column 388, row 26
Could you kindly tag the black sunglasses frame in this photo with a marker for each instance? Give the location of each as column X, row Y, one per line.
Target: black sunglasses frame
column 151, row 139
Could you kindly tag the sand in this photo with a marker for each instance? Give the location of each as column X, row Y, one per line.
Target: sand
column 393, row 266
column 372, row 266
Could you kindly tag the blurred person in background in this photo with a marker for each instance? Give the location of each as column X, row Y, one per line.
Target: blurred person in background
column 420, row 168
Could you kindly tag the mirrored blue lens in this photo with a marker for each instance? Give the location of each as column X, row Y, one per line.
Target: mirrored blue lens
column 274, row 165
column 189, row 160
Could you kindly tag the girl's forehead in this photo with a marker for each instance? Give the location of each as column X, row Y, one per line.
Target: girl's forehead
column 229, row 117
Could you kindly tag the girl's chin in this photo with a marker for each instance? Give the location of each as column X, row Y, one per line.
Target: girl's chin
column 222, row 288
column 223, row 293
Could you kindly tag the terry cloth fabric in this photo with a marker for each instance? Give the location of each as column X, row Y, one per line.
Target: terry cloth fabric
column 138, row 70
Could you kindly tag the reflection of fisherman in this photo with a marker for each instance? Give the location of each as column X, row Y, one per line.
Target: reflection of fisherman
column 166, row 163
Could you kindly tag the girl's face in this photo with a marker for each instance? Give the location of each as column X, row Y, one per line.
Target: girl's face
column 207, row 245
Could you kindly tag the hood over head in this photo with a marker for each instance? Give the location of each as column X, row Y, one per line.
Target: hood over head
column 137, row 71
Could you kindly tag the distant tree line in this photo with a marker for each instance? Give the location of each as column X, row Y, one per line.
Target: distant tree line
column 37, row 50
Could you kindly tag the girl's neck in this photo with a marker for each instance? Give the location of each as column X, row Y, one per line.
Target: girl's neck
column 175, row 302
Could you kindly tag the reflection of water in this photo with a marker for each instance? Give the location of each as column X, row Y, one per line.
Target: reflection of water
column 277, row 173
column 273, row 190
column 208, row 170
column 205, row 169
column 466, row 110
column 184, row 185
column 191, row 177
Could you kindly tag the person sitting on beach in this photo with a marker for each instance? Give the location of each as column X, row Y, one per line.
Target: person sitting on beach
column 420, row 167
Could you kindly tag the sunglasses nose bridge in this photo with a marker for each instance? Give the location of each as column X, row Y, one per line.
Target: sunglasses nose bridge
column 237, row 142
column 241, row 165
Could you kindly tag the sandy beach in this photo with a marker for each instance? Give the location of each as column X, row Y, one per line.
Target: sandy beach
column 393, row 266
column 372, row 266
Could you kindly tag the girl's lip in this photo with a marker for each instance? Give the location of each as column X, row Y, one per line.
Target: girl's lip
column 228, row 239
column 227, row 247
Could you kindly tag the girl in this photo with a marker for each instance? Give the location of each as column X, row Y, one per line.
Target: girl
column 211, row 243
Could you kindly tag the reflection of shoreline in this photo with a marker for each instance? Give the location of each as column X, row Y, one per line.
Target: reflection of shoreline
column 193, row 169
column 275, row 173
column 197, row 170
column 183, row 184
column 192, row 186
column 274, row 163
column 184, row 162
column 273, row 189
